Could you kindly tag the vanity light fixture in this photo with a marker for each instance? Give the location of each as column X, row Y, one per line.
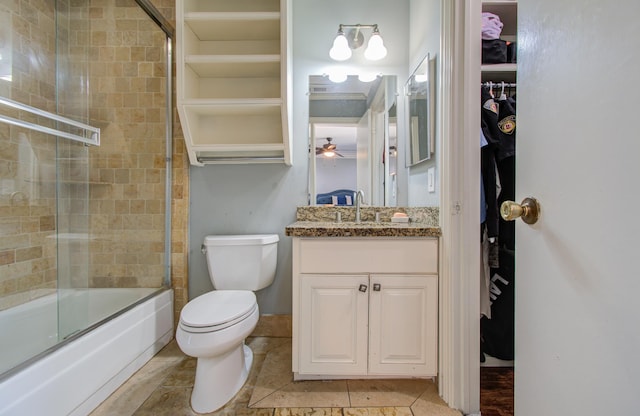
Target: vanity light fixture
column 343, row 44
column 367, row 76
column 337, row 76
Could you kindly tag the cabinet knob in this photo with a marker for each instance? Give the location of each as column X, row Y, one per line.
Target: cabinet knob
column 362, row 288
column 376, row 287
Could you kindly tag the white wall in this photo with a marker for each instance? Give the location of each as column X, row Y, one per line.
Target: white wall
column 335, row 173
column 228, row 199
column 425, row 38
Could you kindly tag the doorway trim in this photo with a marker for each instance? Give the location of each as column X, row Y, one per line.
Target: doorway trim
column 459, row 290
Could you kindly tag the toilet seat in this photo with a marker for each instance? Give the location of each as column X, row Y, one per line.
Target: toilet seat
column 217, row 310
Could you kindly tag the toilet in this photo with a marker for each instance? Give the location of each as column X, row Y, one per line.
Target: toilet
column 213, row 326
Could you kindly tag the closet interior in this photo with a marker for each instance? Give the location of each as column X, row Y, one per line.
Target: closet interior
column 498, row 144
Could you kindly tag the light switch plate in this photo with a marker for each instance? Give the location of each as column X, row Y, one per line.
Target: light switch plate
column 431, row 179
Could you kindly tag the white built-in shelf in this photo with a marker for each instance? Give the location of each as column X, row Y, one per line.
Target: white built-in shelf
column 499, row 67
column 499, row 72
column 232, row 80
column 508, row 12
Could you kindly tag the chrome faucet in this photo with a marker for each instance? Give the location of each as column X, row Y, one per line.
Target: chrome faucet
column 359, row 199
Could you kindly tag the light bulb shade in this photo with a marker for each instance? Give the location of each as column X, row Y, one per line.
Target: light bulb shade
column 367, row 76
column 340, row 50
column 337, row 76
column 328, row 153
column 375, row 48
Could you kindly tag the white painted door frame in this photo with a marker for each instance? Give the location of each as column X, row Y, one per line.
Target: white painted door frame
column 459, row 291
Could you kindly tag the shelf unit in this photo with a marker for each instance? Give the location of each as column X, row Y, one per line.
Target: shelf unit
column 233, row 75
column 508, row 12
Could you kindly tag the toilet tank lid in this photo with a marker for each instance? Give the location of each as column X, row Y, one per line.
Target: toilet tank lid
column 240, row 240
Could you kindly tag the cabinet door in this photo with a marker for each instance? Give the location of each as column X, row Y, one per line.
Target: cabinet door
column 403, row 325
column 333, row 338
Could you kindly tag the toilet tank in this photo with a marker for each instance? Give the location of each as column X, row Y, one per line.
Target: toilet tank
column 241, row 262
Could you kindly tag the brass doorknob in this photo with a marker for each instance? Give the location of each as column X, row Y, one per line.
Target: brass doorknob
column 528, row 210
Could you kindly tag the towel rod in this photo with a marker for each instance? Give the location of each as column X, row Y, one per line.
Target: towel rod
column 499, row 84
column 93, row 133
column 240, row 159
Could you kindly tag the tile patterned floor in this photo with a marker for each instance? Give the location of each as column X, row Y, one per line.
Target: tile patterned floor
column 163, row 387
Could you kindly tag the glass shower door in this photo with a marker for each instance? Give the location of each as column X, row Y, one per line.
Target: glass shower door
column 73, row 237
column 43, row 197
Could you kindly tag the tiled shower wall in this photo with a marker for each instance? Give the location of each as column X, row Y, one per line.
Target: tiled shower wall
column 144, row 115
column 127, row 172
column 27, row 215
column 127, row 101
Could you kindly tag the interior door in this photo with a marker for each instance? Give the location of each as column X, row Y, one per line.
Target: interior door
column 577, row 320
column 363, row 156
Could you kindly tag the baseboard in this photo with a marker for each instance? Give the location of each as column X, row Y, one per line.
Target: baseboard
column 277, row 326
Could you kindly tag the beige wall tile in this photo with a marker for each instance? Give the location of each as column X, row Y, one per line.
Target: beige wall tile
column 7, row 257
column 30, row 253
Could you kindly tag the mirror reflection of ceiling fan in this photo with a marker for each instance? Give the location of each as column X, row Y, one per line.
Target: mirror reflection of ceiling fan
column 328, row 149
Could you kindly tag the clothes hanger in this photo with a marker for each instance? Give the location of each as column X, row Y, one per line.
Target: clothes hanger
column 503, row 96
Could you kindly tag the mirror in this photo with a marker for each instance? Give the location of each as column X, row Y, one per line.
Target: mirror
column 417, row 91
column 353, row 140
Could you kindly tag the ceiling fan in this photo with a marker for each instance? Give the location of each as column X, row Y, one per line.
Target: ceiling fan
column 328, row 149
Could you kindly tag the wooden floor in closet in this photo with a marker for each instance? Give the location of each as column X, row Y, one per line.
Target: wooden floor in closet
column 496, row 391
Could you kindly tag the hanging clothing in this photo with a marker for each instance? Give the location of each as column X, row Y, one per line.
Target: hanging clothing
column 491, row 133
column 497, row 333
column 485, row 282
column 485, row 277
column 483, row 201
column 489, row 116
column 507, row 175
column 506, row 164
column 498, row 158
column 506, row 122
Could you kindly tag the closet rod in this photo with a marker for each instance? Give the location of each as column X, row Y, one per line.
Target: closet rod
column 499, row 84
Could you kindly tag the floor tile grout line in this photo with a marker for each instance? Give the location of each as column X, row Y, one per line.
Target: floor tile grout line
column 348, row 395
column 416, row 400
column 262, row 399
column 160, row 385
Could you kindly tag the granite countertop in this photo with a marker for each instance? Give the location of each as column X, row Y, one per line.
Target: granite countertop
column 362, row 229
column 321, row 222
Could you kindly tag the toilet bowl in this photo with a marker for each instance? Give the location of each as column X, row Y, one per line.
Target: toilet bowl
column 216, row 337
column 214, row 325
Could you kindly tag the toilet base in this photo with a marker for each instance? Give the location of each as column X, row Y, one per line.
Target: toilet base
column 219, row 378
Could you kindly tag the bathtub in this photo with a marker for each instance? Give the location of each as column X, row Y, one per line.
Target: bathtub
column 74, row 377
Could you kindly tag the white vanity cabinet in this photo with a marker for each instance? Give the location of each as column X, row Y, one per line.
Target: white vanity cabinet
column 364, row 307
